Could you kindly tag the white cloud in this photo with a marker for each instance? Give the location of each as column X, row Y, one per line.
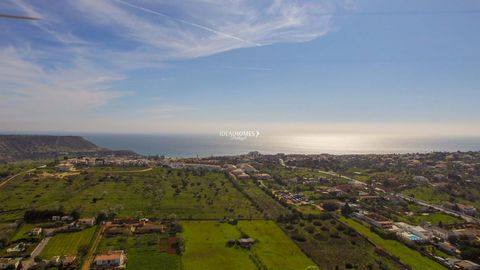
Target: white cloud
column 31, row 91
column 66, row 71
column 207, row 27
column 50, row 24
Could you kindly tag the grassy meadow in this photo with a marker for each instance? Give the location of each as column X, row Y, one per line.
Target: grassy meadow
column 155, row 193
column 143, row 252
column 67, row 243
column 206, row 247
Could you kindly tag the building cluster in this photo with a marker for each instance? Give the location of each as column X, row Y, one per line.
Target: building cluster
column 294, row 198
column 434, row 235
column 193, row 166
column 241, row 170
column 70, row 225
column 134, row 226
column 238, row 171
column 10, row 263
column 108, row 161
column 59, row 262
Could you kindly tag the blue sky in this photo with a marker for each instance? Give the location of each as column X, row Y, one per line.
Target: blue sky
column 277, row 66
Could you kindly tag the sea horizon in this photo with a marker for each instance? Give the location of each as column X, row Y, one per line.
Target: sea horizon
column 205, row 145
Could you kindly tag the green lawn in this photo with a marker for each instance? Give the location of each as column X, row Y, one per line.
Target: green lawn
column 436, row 196
column 437, row 252
column 434, row 219
column 143, row 252
column 206, row 247
column 406, row 255
column 275, row 249
column 428, row 194
column 67, row 243
column 308, row 209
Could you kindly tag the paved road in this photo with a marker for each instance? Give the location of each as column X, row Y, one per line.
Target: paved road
column 12, row 177
column 355, row 181
column 30, row 261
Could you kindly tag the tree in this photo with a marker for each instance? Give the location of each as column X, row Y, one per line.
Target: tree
column 102, row 216
column 346, row 210
column 330, row 206
column 83, row 250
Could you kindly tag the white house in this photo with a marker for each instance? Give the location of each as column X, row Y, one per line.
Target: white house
column 111, row 259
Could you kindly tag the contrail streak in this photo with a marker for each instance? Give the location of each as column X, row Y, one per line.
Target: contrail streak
column 6, row 16
column 208, row 29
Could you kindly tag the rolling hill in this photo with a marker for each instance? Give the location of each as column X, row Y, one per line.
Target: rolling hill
column 34, row 147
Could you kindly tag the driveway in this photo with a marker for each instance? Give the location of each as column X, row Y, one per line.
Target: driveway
column 38, row 249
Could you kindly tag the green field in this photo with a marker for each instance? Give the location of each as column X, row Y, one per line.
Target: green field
column 436, row 196
column 7, row 170
column 142, row 252
column 275, row 249
column 428, row 194
column 22, row 232
column 206, row 247
column 308, row 209
column 406, row 255
column 286, row 173
column 67, row 243
column 155, row 193
column 434, row 219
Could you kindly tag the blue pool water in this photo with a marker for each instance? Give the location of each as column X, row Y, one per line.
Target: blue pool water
column 414, row 237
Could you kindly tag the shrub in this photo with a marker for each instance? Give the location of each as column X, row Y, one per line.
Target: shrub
column 298, row 238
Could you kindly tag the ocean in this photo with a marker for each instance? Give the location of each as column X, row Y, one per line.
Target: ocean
column 215, row 145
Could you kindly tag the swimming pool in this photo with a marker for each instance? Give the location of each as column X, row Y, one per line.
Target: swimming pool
column 414, row 237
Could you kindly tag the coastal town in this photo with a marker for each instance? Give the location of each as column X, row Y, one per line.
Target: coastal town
column 372, row 197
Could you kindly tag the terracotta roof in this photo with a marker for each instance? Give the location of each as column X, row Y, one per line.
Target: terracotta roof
column 109, row 256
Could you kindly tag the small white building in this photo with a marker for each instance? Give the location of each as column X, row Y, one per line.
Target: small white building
column 36, row 231
column 67, row 218
column 86, row 221
column 112, row 259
